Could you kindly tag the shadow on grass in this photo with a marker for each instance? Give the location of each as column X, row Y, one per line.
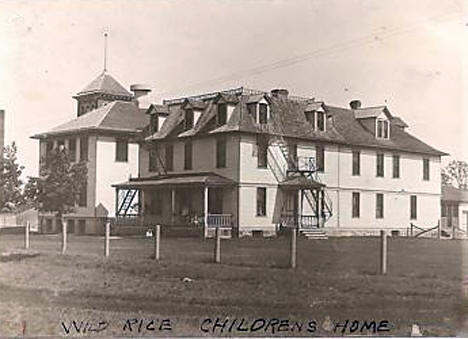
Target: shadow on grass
column 17, row 256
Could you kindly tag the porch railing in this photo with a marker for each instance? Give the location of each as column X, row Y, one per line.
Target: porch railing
column 219, row 220
column 301, row 221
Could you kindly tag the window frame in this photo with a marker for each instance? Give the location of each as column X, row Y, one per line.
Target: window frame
column 189, row 123
column 379, row 206
column 426, row 169
column 262, row 152
column 169, row 157
column 413, row 207
column 222, row 112
column 356, row 163
column 261, row 209
column 380, row 165
column 83, row 195
column 72, row 150
column 320, row 122
column 262, row 114
column 118, row 156
column 395, row 166
column 355, row 205
column 188, row 155
column 221, row 152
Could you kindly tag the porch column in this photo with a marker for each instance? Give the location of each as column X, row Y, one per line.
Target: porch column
column 302, row 208
column 205, row 210
column 317, row 206
column 117, row 191
column 172, row 206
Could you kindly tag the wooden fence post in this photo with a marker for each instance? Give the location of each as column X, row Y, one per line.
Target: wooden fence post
column 453, row 232
column 411, row 228
column 107, row 239
column 383, row 252
column 293, row 247
column 26, row 235
column 64, row 236
column 439, row 230
column 217, row 253
column 157, row 237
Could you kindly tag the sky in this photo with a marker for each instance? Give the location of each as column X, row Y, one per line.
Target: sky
column 408, row 55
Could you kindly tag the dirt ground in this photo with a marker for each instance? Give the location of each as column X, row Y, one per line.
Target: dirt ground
column 252, row 292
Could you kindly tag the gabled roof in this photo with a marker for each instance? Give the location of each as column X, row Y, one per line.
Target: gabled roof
column 194, row 104
column 450, row 193
column 287, row 119
column 371, row 112
column 116, row 116
column 105, row 84
column 314, row 106
column 156, row 108
column 397, row 121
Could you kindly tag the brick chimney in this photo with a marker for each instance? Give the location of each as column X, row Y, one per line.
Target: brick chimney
column 355, row 104
column 279, row 93
column 139, row 92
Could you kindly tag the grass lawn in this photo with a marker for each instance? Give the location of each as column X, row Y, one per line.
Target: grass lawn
column 336, row 279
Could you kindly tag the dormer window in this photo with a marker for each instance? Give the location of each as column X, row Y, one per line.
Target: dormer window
column 383, row 129
column 222, row 114
column 259, row 111
column 316, row 120
column 188, row 119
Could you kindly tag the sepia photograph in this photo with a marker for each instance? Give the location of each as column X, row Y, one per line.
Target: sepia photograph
column 222, row 168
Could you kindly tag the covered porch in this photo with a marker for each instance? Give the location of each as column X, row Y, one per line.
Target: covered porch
column 203, row 200
column 304, row 204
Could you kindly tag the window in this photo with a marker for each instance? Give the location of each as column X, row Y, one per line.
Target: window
column 222, row 114
column 380, row 164
column 72, row 149
column 310, row 117
column 425, row 169
column 356, row 163
column 252, row 108
column 220, row 153
column 81, row 226
column 82, row 198
column 455, row 210
column 188, row 155
column 396, row 166
column 320, row 158
column 379, row 206
column 262, row 159
column 383, row 129
column 153, row 159
column 169, row 153
column 261, row 201
column 263, row 113
column 321, row 121
column 188, row 119
column 121, row 151
column 60, row 144
column 84, row 148
column 413, row 207
column 356, row 205
column 154, row 123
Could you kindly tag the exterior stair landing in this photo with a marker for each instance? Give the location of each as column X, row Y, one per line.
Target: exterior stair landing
column 314, row 233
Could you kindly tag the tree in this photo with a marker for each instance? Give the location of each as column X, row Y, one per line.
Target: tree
column 11, row 195
column 59, row 184
column 456, row 171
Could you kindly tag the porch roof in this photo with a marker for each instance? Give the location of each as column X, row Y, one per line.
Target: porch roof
column 299, row 182
column 184, row 179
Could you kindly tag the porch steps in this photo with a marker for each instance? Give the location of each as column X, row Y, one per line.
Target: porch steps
column 314, row 233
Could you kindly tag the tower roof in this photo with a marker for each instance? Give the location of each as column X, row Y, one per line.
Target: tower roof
column 105, row 84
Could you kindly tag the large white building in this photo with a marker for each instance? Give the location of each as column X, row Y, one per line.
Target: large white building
column 105, row 134
column 258, row 160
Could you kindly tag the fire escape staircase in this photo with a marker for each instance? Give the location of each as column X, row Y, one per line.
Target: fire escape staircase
column 284, row 166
